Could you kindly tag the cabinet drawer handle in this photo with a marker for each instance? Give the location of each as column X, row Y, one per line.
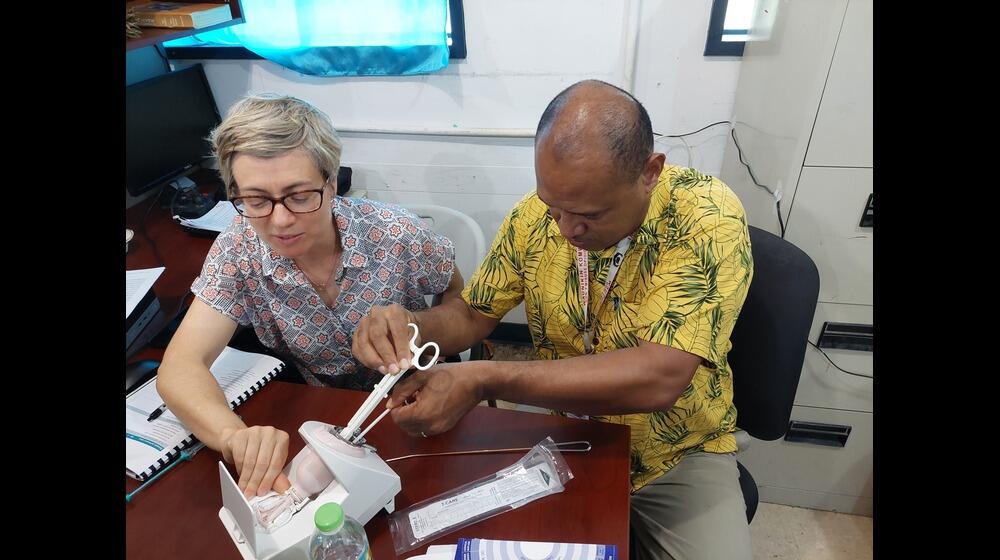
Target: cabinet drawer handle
column 830, row 435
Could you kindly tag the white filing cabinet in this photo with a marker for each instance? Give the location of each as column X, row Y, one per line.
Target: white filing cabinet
column 803, row 116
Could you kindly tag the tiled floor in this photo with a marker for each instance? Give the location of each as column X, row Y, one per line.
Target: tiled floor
column 778, row 532
column 785, row 532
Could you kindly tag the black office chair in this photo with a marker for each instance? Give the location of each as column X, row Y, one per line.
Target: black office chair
column 769, row 342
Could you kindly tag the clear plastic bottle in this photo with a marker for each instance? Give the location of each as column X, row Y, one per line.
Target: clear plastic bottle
column 337, row 536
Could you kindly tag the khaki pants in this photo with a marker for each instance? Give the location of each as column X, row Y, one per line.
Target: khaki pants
column 695, row 511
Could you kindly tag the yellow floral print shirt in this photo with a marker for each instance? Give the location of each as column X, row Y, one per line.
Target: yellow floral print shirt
column 682, row 283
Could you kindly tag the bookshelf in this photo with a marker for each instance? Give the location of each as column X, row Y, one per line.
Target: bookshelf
column 153, row 35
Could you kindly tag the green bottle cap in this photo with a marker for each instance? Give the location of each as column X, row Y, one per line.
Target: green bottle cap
column 329, row 517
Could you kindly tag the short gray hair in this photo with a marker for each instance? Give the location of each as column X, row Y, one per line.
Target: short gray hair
column 269, row 125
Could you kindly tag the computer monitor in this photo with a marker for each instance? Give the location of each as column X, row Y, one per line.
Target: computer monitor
column 167, row 120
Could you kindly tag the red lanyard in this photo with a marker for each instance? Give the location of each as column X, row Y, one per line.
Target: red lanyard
column 583, row 268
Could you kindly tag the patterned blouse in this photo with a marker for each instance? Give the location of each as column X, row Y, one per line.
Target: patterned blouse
column 389, row 256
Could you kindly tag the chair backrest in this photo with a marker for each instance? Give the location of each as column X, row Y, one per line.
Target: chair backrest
column 771, row 333
column 464, row 232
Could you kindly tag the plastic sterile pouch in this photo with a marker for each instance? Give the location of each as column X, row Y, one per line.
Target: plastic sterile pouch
column 541, row 472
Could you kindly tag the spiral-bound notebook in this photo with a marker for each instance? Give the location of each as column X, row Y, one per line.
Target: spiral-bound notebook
column 150, row 446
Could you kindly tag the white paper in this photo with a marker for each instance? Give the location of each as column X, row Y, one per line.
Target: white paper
column 216, row 219
column 145, row 442
column 516, row 487
column 137, row 283
column 236, row 370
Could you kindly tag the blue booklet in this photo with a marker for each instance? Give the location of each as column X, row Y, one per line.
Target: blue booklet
column 486, row 549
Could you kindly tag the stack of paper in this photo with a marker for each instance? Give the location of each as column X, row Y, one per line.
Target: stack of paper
column 216, row 219
column 137, row 283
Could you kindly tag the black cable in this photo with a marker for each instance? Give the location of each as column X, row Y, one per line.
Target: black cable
column 695, row 132
column 838, row 367
column 173, row 201
column 739, row 150
column 781, row 223
column 753, row 178
column 142, row 226
column 160, row 50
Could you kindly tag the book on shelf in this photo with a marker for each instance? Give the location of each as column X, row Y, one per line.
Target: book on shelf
column 181, row 15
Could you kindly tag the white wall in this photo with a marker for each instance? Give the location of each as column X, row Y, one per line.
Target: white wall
column 521, row 53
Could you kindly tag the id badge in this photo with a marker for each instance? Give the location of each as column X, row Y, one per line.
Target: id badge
column 588, row 341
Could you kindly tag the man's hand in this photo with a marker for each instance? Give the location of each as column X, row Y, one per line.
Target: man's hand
column 382, row 339
column 259, row 454
column 433, row 401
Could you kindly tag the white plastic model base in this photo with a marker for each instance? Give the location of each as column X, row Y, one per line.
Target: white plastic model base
column 363, row 484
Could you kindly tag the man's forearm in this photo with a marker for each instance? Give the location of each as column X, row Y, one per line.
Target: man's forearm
column 453, row 325
column 618, row 382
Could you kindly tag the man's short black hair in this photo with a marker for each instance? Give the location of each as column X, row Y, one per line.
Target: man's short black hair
column 629, row 137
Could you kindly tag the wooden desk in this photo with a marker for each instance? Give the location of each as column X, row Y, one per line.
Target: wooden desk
column 177, row 516
column 182, row 256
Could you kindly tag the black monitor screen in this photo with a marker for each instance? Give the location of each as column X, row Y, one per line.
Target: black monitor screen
column 167, row 120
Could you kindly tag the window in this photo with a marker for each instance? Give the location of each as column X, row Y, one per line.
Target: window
column 729, row 27
column 189, row 48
